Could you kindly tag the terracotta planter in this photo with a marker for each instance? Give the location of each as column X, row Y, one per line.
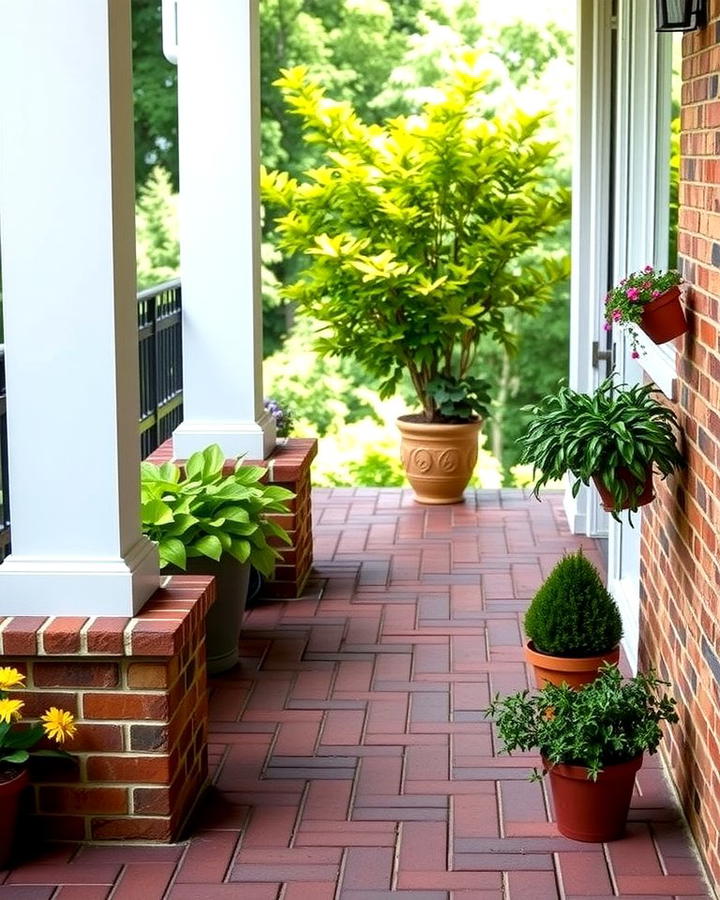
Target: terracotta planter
column 626, row 476
column 574, row 671
column 439, row 459
column 224, row 618
column 592, row 811
column 663, row 318
column 10, row 791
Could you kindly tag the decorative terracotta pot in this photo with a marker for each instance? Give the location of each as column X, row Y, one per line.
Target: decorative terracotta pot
column 439, row 459
column 663, row 318
column 224, row 618
column 592, row 811
column 575, row 671
column 626, row 476
column 10, row 791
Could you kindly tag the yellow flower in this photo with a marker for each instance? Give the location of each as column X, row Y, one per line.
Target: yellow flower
column 10, row 709
column 10, row 678
column 58, row 724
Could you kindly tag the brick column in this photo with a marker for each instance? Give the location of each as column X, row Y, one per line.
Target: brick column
column 138, row 689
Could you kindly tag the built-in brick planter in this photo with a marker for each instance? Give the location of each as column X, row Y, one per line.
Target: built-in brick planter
column 139, row 691
column 288, row 466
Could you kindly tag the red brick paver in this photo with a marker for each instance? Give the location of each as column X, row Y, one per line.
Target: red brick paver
column 351, row 759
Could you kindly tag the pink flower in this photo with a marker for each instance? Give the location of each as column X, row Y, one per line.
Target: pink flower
column 648, row 269
column 646, row 285
column 617, row 315
column 607, row 326
column 632, row 293
column 635, row 354
column 655, row 294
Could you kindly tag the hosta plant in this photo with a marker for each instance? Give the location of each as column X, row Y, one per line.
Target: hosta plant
column 608, row 721
column 573, row 614
column 417, row 235
column 18, row 743
column 615, row 430
column 199, row 511
column 625, row 302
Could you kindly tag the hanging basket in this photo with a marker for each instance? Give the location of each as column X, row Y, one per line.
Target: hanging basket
column 663, row 318
column 626, row 476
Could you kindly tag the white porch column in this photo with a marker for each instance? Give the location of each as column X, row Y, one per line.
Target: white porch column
column 68, row 255
column 219, row 129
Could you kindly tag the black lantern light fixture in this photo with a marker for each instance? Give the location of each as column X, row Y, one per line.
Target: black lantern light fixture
column 681, row 15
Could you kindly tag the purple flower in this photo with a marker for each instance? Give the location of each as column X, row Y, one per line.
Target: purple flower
column 607, row 326
column 635, row 354
column 648, row 269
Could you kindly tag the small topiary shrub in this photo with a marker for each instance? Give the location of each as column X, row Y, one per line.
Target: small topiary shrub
column 573, row 614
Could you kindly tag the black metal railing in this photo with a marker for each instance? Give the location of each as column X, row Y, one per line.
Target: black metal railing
column 161, row 383
column 161, row 378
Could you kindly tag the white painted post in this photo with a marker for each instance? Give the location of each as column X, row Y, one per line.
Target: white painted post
column 219, row 128
column 68, row 253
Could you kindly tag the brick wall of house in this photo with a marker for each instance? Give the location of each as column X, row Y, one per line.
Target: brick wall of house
column 680, row 562
column 138, row 689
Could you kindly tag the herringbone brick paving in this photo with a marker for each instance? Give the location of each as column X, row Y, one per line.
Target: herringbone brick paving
column 350, row 754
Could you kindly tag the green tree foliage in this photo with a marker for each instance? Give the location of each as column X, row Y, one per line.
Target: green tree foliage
column 573, row 614
column 418, row 232
column 157, row 230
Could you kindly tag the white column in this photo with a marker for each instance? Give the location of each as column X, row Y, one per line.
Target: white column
column 219, row 122
column 68, row 255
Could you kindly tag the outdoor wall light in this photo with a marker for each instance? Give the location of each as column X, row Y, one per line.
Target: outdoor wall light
column 681, row 15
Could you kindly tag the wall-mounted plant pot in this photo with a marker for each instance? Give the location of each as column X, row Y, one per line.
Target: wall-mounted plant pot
column 438, row 458
column 10, row 789
column 575, row 671
column 663, row 318
column 592, row 811
column 647, row 494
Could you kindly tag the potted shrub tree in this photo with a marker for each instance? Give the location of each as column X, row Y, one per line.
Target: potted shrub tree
column 17, row 743
column 206, row 522
column 592, row 743
column 573, row 625
column 613, row 436
column 416, row 239
column 649, row 300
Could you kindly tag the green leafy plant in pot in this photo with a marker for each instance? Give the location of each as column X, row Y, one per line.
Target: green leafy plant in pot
column 416, row 237
column 573, row 625
column 206, row 522
column 592, row 742
column 614, row 436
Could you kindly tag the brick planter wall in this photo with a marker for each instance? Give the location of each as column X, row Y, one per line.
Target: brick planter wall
column 138, row 689
column 288, row 466
column 680, row 569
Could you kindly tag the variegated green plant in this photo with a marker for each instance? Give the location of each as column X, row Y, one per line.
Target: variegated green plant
column 199, row 511
column 418, row 235
column 597, row 434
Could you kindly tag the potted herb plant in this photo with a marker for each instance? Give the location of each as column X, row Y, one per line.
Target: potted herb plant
column 416, row 237
column 592, row 743
column 17, row 742
column 648, row 299
column 613, row 436
column 207, row 522
column 573, row 625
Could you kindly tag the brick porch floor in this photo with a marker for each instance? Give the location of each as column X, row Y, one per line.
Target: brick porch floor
column 351, row 758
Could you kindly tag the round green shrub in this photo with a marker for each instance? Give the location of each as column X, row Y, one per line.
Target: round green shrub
column 573, row 614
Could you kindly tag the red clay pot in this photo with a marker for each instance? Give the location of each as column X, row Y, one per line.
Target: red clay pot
column 663, row 318
column 592, row 811
column 626, row 476
column 575, row 671
column 10, row 791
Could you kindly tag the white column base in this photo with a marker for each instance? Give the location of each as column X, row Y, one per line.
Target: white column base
column 575, row 510
column 72, row 587
column 255, row 440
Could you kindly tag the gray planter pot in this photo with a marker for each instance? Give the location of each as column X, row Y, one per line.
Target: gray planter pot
column 224, row 619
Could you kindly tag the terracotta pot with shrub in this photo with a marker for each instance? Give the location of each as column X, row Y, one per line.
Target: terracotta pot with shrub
column 420, row 239
column 615, row 437
column 591, row 742
column 573, row 625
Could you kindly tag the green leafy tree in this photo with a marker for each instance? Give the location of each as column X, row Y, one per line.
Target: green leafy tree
column 417, row 234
